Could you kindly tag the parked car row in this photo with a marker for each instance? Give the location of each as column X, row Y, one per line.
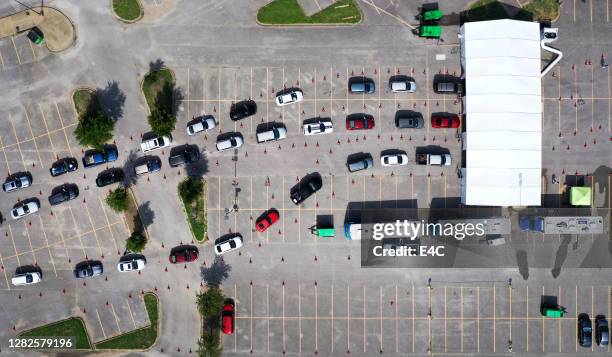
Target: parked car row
column 86, row 269
column 585, row 330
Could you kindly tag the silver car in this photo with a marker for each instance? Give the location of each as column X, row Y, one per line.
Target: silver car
column 318, row 127
column 131, row 265
column 17, row 182
column 90, row 269
column 201, row 124
column 228, row 244
column 24, row 209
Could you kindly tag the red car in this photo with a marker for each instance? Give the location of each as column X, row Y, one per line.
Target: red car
column 183, row 255
column 445, row 121
column 359, row 121
column 266, row 220
column 227, row 318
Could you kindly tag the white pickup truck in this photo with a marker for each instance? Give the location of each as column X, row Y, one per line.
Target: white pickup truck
column 155, row 143
column 433, row 159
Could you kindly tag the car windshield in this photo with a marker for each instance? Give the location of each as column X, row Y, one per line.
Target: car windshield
column 29, row 278
column 294, row 96
column 160, row 141
column 133, row 265
column 586, row 329
column 173, row 257
column 232, row 244
column 26, row 209
column 89, row 271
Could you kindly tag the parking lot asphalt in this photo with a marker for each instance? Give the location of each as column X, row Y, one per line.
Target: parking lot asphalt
column 294, row 293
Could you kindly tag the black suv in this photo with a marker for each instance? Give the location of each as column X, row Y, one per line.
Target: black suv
column 243, row 109
column 62, row 166
column 585, row 330
column 184, row 155
column 63, row 193
column 305, row 188
column 109, row 177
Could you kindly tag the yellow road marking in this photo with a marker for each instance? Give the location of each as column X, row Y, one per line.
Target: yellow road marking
column 100, row 321
column 32, row 133
column 14, row 246
column 116, row 318
column 18, row 146
column 64, row 128
column 15, row 47
column 108, row 223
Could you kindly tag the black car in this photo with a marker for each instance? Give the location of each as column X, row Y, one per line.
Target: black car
column 88, row 269
column 305, row 188
column 602, row 334
column 585, row 330
column 109, row 177
column 62, row 166
column 406, row 119
column 63, row 193
column 185, row 155
column 243, row 109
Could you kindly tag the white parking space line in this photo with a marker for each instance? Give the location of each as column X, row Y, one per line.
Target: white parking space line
column 32, row 134
column 10, row 231
column 1, row 60
column 15, row 47
column 64, row 129
column 100, row 321
column 107, row 223
column 131, row 313
column 116, row 318
column 18, row 145
column 30, row 240
column 8, row 167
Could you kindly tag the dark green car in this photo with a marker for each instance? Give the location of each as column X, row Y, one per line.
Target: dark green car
column 36, row 36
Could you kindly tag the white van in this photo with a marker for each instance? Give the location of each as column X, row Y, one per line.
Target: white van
column 272, row 134
column 26, row 278
column 230, row 142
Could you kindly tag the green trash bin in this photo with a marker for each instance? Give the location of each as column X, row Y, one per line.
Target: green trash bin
column 430, row 31
column 325, row 232
column 552, row 311
column 432, row 15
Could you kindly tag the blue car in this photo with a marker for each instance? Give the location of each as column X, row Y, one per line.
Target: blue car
column 98, row 157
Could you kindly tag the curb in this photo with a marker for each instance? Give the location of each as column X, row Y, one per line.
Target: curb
column 83, row 88
column 159, row 314
column 66, row 319
column 205, row 239
column 316, row 25
column 128, row 22
column 142, row 84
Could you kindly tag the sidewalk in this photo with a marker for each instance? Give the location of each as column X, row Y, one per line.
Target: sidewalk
column 58, row 30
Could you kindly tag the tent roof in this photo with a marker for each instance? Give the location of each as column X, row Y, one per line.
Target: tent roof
column 503, row 113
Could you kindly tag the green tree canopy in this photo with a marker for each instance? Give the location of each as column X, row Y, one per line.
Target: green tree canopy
column 162, row 122
column 94, row 129
column 118, row 200
column 209, row 345
column 191, row 188
column 136, row 242
column 210, row 302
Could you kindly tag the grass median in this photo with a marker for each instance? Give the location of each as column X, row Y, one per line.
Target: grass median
column 127, row 10
column 140, row 339
column 289, row 12
column 155, row 86
column 70, row 327
column 192, row 192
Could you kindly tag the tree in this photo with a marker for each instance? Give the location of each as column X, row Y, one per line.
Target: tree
column 118, row 200
column 210, row 302
column 94, row 129
column 209, row 345
column 136, row 242
column 190, row 189
column 162, row 122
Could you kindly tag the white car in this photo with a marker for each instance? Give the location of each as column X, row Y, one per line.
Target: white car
column 228, row 244
column 394, row 160
column 201, row 124
column 131, row 265
column 318, row 127
column 155, row 143
column 289, row 98
column 233, row 141
column 402, row 86
column 26, row 278
column 24, row 209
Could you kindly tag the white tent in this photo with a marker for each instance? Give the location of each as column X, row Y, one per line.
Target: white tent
column 503, row 113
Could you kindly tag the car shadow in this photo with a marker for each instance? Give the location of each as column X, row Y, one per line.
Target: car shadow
column 229, row 134
column 392, row 152
column 288, row 90
column 132, row 256
column 23, row 269
column 180, row 248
